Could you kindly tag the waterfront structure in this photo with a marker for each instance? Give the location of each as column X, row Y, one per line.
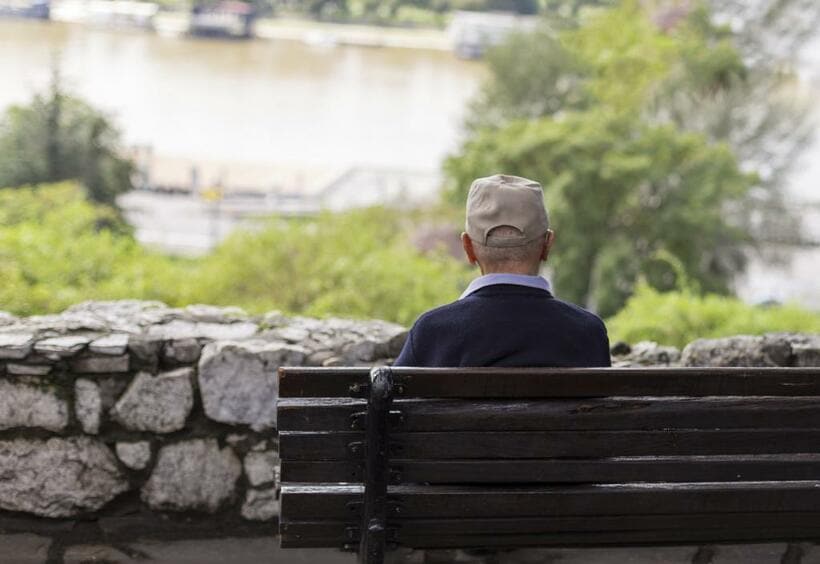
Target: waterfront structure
column 36, row 9
column 472, row 33
column 108, row 13
column 229, row 18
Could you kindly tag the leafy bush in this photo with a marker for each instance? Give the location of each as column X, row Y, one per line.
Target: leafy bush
column 677, row 318
column 57, row 249
column 358, row 264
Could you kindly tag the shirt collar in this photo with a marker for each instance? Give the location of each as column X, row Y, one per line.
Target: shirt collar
column 538, row 282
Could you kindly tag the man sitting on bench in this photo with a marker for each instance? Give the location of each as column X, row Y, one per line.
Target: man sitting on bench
column 508, row 316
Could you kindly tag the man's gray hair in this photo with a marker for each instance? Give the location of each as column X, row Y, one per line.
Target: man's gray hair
column 495, row 257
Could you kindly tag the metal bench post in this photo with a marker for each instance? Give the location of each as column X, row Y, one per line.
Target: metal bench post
column 374, row 516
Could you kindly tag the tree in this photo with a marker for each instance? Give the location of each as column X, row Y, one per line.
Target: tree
column 60, row 137
column 625, row 182
column 620, row 193
column 730, row 76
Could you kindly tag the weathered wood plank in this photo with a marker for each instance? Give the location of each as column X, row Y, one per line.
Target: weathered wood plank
column 577, row 540
column 337, row 414
column 605, row 471
column 556, row 382
column 333, row 502
column 663, row 528
column 295, row 445
column 304, row 382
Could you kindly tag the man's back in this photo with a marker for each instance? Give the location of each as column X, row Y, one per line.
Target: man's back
column 507, row 325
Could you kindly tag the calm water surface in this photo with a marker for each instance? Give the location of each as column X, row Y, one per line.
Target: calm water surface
column 259, row 101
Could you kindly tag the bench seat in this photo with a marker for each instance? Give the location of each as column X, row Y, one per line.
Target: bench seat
column 500, row 458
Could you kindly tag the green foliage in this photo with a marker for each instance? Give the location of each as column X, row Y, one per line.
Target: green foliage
column 533, row 75
column 59, row 137
column 677, row 318
column 623, row 180
column 357, row 264
column 618, row 192
column 56, row 249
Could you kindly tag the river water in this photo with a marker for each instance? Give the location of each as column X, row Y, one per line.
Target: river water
column 261, row 101
column 273, row 105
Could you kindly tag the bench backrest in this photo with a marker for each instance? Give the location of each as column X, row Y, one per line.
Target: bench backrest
column 539, row 457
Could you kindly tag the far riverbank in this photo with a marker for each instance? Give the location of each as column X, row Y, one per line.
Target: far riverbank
column 311, row 32
column 324, row 33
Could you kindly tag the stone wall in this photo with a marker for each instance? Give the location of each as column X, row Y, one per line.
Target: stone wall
column 124, row 420
column 131, row 416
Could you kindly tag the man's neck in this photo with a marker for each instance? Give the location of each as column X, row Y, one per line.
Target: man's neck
column 523, row 270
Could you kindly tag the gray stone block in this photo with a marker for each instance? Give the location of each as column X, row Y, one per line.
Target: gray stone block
column 260, row 505
column 742, row 350
column 145, row 350
column 648, row 353
column 115, row 344
column 16, row 346
column 61, row 347
column 160, row 404
column 807, row 352
column 192, row 475
column 134, row 455
column 88, row 405
column 184, row 329
column 31, row 402
column 7, row 319
column 58, row 477
column 17, row 369
column 100, row 364
column 238, row 381
column 261, row 467
column 182, row 351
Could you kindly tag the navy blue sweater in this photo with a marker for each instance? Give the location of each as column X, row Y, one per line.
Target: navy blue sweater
column 507, row 325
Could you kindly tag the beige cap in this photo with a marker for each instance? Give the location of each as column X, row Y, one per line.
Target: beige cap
column 503, row 199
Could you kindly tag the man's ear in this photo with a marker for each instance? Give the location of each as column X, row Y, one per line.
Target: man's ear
column 467, row 243
column 548, row 241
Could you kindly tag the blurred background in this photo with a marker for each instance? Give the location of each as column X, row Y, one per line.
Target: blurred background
column 313, row 156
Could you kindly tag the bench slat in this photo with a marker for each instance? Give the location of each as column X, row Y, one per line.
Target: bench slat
column 409, row 531
column 542, row 382
column 607, row 470
column 309, row 502
column 612, row 538
column 554, row 444
column 335, row 414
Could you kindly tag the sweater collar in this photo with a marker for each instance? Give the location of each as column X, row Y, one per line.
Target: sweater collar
column 538, row 282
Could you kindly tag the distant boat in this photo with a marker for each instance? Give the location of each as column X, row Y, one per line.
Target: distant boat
column 35, row 9
column 229, row 18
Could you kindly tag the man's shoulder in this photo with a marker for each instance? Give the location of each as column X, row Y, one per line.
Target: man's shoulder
column 442, row 313
column 458, row 310
column 580, row 313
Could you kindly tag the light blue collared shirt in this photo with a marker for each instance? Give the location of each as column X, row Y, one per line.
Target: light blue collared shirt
column 538, row 282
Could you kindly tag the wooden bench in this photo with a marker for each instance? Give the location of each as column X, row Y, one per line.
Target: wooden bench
column 433, row 458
